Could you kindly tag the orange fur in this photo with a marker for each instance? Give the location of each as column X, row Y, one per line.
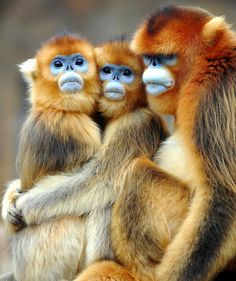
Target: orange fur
column 45, row 92
column 199, row 242
column 64, row 116
column 147, row 43
column 105, row 271
column 204, row 46
column 107, row 54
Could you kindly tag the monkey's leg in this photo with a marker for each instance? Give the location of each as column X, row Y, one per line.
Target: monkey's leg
column 50, row 251
column 147, row 217
column 200, row 243
column 98, row 240
column 205, row 242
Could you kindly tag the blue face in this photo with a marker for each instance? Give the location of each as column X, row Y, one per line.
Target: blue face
column 157, row 77
column 69, row 68
column 156, row 61
column 74, row 62
column 115, row 76
column 119, row 73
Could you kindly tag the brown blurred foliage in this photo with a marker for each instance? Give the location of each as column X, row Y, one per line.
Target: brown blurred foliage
column 25, row 24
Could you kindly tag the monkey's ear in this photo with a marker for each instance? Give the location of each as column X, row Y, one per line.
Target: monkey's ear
column 213, row 28
column 28, row 69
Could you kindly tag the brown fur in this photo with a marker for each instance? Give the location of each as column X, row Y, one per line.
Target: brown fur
column 194, row 237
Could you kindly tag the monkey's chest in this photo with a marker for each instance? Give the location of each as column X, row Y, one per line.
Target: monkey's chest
column 174, row 157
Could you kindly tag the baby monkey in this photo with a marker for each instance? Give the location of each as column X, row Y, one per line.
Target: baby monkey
column 58, row 135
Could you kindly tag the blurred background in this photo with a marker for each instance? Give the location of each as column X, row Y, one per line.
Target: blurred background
column 25, row 24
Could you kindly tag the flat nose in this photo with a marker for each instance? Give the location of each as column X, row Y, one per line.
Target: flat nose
column 116, row 77
column 153, row 62
column 69, row 67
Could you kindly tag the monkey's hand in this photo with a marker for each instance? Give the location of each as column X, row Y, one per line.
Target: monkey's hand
column 12, row 217
column 28, row 208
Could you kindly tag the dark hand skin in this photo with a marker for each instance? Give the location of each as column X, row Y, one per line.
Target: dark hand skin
column 15, row 216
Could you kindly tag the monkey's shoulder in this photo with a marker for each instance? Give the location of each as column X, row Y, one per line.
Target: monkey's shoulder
column 145, row 121
column 55, row 149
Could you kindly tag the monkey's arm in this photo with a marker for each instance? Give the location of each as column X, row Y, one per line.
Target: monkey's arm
column 98, row 184
column 205, row 239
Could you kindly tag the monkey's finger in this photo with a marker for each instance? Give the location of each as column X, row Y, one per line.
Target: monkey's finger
column 14, row 213
column 15, row 218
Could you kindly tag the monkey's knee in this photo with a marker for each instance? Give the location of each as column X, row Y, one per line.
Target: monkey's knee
column 105, row 271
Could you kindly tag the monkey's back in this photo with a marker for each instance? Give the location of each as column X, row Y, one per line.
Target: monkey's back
column 53, row 142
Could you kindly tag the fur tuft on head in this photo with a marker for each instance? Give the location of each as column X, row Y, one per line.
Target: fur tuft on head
column 212, row 28
column 28, row 70
column 118, row 38
column 117, row 51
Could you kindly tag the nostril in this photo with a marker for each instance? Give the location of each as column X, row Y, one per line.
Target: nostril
column 71, row 67
column 154, row 62
column 67, row 68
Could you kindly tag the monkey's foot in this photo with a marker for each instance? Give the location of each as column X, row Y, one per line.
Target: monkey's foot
column 105, row 271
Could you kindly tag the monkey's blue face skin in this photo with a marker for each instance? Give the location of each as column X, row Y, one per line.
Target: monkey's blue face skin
column 69, row 68
column 116, row 76
column 157, row 77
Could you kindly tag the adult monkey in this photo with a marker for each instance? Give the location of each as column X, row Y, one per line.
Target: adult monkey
column 205, row 109
column 199, row 89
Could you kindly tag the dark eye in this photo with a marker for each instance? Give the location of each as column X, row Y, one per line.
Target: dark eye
column 170, row 57
column 106, row 70
column 79, row 61
column 58, row 63
column 127, row 72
